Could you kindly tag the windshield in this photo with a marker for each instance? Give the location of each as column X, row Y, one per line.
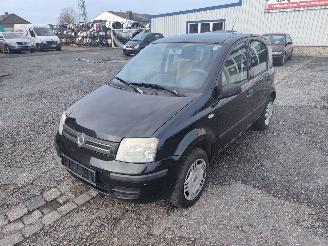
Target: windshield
column 11, row 35
column 173, row 65
column 277, row 39
column 139, row 37
column 43, row 31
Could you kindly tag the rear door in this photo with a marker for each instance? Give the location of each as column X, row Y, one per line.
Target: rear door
column 234, row 112
column 260, row 74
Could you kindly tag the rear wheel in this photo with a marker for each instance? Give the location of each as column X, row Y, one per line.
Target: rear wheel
column 58, row 48
column 32, row 51
column 290, row 57
column 191, row 179
column 264, row 121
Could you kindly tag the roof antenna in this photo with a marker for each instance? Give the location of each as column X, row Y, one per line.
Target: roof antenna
column 233, row 27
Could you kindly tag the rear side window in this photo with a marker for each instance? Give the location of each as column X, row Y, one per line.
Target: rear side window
column 235, row 67
column 259, row 57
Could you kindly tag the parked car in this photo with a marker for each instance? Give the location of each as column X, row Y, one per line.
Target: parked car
column 13, row 42
column 41, row 35
column 282, row 47
column 156, row 126
column 140, row 41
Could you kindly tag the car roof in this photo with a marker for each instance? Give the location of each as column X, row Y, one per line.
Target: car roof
column 218, row 37
column 269, row 34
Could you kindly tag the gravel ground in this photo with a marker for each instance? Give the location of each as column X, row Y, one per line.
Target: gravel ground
column 268, row 188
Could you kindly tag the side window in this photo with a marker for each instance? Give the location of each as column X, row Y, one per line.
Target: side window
column 205, row 27
column 193, row 28
column 235, row 67
column 217, row 26
column 259, row 57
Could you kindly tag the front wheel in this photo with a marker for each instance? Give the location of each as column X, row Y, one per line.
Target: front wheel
column 9, row 51
column 264, row 121
column 282, row 61
column 191, row 179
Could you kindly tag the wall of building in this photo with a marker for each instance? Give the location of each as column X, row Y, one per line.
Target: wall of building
column 307, row 27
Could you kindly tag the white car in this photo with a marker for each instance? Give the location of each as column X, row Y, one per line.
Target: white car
column 14, row 42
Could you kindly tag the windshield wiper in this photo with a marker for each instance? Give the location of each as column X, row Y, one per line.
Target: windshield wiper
column 136, row 89
column 159, row 87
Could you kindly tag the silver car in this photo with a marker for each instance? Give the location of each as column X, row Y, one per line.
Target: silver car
column 14, row 42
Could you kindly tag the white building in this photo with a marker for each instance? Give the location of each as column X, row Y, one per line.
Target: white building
column 305, row 20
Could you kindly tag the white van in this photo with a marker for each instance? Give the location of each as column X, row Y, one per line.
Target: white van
column 41, row 35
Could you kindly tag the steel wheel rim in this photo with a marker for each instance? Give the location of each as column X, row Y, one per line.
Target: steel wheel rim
column 268, row 113
column 195, row 179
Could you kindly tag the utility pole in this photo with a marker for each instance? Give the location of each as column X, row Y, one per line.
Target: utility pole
column 83, row 17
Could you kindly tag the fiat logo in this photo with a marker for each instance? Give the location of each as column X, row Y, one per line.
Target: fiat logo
column 80, row 140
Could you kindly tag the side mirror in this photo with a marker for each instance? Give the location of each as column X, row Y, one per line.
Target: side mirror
column 231, row 90
column 290, row 43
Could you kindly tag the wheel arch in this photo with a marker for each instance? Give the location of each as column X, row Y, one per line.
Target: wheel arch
column 197, row 138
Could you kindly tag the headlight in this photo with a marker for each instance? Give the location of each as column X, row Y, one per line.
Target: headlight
column 138, row 150
column 61, row 123
column 137, row 46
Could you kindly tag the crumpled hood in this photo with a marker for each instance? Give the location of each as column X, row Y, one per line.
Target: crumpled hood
column 277, row 47
column 114, row 114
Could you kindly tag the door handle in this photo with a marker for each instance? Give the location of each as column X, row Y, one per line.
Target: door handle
column 250, row 93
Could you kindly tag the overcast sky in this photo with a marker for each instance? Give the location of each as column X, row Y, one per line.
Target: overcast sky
column 45, row 11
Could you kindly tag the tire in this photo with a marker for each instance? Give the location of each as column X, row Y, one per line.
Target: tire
column 291, row 55
column 283, row 59
column 9, row 51
column 59, row 49
column 193, row 163
column 32, row 51
column 265, row 119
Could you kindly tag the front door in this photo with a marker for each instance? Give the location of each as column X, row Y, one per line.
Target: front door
column 234, row 112
column 259, row 74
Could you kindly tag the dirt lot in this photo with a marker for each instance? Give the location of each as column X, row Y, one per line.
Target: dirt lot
column 268, row 188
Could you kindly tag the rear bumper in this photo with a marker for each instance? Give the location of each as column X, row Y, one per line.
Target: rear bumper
column 123, row 180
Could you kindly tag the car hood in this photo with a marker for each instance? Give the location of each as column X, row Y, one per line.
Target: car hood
column 48, row 38
column 113, row 114
column 133, row 43
column 277, row 47
column 15, row 40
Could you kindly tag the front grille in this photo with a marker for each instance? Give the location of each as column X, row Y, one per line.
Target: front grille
column 51, row 42
column 93, row 144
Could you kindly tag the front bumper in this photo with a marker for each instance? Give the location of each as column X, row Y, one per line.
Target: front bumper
column 48, row 46
column 22, row 48
column 122, row 180
column 130, row 51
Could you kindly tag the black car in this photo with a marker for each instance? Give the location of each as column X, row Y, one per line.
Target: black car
column 282, row 47
column 156, row 126
column 140, row 41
